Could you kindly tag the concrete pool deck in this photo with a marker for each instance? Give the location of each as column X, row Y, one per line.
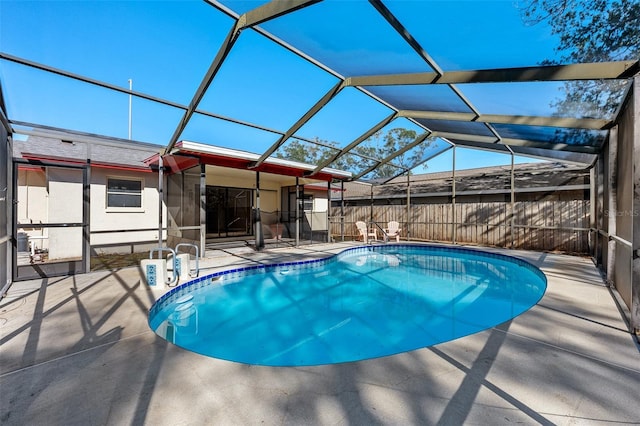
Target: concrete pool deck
column 78, row 351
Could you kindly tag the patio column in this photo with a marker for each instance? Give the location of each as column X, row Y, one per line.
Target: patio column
column 257, row 219
column 600, row 209
column 513, row 199
column 408, row 205
column 611, row 205
column 342, row 210
column 160, row 197
column 86, row 216
column 328, row 211
column 203, row 208
column 371, row 206
column 635, row 212
column 453, row 197
column 297, row 211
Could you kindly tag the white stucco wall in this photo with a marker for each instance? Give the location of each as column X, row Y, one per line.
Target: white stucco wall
column 110, row 219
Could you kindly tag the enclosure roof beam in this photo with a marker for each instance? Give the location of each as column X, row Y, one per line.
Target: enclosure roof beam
column 399, row 152
column 92, row 81
column 405, row 34
column 546, row 154
column 301, row 122
column 489, row 141
column 584, row 71
column 569, row 122
column 271, row 10
column 426, row 160
column 356, row 142
column 253, row 17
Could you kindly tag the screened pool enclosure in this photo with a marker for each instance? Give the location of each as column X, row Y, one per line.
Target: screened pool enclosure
column 145, row 122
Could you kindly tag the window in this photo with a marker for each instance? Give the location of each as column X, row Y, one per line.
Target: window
column 124, row 193
column 307, row 202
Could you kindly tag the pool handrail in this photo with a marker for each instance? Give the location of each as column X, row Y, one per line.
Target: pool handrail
column 174, row 275
column 197, row 268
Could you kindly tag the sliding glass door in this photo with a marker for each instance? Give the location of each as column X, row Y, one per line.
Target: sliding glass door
column 229, row 212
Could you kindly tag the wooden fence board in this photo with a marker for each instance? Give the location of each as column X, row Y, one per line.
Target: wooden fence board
column 540, row 225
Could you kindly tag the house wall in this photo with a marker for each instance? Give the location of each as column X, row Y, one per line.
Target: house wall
column 269, row 184
column 32, row 196
column 123, row 230
column 55, row 196
column 271, row 193
column 51, row 195
column 65, row 188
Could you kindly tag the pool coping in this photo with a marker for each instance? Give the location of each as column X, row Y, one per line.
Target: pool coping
column 78, row 350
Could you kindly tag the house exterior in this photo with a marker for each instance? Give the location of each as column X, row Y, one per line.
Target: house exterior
column 82, row 196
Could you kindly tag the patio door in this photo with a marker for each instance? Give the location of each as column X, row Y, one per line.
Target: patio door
column 51, row 220
column 228, row 212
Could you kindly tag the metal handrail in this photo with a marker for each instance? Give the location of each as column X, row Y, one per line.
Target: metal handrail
column 174, row 278
column 197, row 269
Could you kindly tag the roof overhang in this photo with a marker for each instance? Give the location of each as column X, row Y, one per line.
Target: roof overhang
column 187, row 154
column 52, row 161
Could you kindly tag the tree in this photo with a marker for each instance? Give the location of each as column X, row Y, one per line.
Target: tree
column 589, row 31
column 379, row 146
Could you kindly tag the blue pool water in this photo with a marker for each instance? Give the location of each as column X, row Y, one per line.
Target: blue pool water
column 363, row 303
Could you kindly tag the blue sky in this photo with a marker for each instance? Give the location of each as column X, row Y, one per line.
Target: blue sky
column 166, row 47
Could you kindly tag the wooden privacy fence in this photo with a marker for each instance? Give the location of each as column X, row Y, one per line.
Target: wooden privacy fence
column 537, row 225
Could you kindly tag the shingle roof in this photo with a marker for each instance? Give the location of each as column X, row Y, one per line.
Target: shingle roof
column 487, row 180
column 125, row 154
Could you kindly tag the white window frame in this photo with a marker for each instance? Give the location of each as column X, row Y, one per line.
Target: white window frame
column 307, row 200
column 124, row 209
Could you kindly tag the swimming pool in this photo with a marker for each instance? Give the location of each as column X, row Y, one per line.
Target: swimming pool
column 363, row 303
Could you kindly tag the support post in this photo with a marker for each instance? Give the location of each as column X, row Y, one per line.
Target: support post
column 513, row 200
column 297, row 211
column 342, row 210
column 635, row 267
column 371, row 205
column 408, row 206
column 453, row 197
column 160, row 198
column 593, row 211
column 86, row 213
column 203, row 209
column 611, row 202
column 329, row 211
column 257, row 219
column 601, row 218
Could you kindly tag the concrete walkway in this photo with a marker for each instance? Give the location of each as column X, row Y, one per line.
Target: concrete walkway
column 78, row 351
